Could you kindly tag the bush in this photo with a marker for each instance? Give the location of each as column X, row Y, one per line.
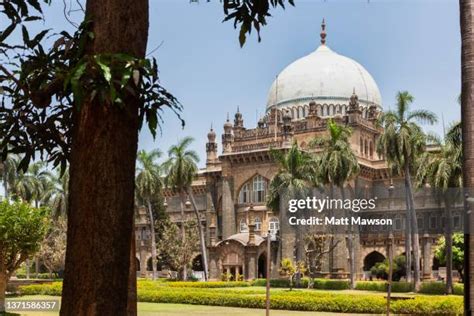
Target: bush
column 440, row 288
column 323, row 284
column 53, row 289
column 211, row 284
column 381, row 286
column 42, row 276
column 302, row 300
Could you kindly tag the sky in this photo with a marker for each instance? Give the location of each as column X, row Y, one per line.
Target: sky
column 409, row 45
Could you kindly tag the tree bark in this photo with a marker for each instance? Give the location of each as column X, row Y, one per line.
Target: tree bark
column 102, row 172
column 466, row 9
column 3, row 289
column 202, row 238
column 132, row 280
column 350, row 247
column 153, row 240
column 408, row 244
column 183, row 234
column 414, row 228
column 449, row 245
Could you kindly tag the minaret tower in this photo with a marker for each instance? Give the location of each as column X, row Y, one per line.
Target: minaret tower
column 227, row 137
column 211, row 147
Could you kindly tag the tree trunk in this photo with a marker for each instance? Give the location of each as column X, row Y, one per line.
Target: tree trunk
column 414, row 228
column 102, row 174
column 202, row 237
column 3, row 289
column 408, row 244
column 28, row 268
column 5, row 182
column 37, row 262
column 449, row 245
column 132, row 280
column 153, row 240
column 390, row 271
column 183, row 234
column 350, row 247
column 466, row 9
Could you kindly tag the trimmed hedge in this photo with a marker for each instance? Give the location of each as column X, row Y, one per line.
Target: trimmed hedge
column 210, row 284
column 440, row 288
column 381, row 286
column 303, row 300
column 53, row 289
column 323, row 284
column 43, row 276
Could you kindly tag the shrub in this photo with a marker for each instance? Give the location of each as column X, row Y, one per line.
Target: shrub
column 211, row 284
column 323, row 284
column 381, row 286
column 440, row 288
column 54, row 289
column 43, row 276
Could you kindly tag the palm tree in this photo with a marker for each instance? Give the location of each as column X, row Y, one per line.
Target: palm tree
column 181, row 169
column 466, row 8
column 338, row 165
column 401, row 143
column 148, row 184
column 9, row 168
column 442, row 169
column 39, row 177
column 296, row 174
column 56, row 193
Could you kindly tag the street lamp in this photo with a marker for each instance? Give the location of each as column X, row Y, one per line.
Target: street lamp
column 165, row 203
column 187, row 203
column 270, row 237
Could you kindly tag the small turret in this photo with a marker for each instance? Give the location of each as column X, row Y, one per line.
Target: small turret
column 227, row 137
column 211, row 147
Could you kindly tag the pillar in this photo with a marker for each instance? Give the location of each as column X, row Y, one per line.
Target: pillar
column 426, row 257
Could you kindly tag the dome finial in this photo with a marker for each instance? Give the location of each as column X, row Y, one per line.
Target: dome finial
column 323, row 32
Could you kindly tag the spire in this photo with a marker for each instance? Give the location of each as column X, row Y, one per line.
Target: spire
column 323, row 33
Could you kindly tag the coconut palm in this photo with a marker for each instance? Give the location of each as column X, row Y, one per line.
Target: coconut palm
column 39, row 177
column 295, row 177
column 401, row 143
column 56, row 193
column 181, row 169
column 9, row 168
column 148, row 184
column 442, row 169
column 338, row 165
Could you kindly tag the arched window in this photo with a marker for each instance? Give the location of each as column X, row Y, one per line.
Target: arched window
column 273, row 225
column 253, row 191
column 244, row 196
column 331, row 110
column 300, row 112
column 258, row 224
column 244, row 228
column 258, row 189
column 361, row 149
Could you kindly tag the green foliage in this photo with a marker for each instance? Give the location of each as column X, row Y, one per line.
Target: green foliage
column 45, row 84
column 296, row 174
column 439, row 288
column 209, row 284
column 42, row 276
column 337, row 162
column 181, row 165
column 222, row 294
column 380, row 269
column 22, row 227
column 250, row 14
column 458, row 252
column 380, row 286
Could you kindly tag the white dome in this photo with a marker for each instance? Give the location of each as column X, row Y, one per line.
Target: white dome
column 325, row 77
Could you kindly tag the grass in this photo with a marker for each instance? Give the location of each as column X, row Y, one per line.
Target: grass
column 152, row 309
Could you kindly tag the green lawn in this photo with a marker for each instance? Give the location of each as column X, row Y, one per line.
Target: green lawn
column 149, row 309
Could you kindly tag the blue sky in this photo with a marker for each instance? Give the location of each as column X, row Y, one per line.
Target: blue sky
column 409, row 45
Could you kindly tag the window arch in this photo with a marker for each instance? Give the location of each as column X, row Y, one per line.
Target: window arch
column 273, row 225
column 300, row 112
column 244, row 196
column 244, row 228
column 259, row 189
column 258, row 224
